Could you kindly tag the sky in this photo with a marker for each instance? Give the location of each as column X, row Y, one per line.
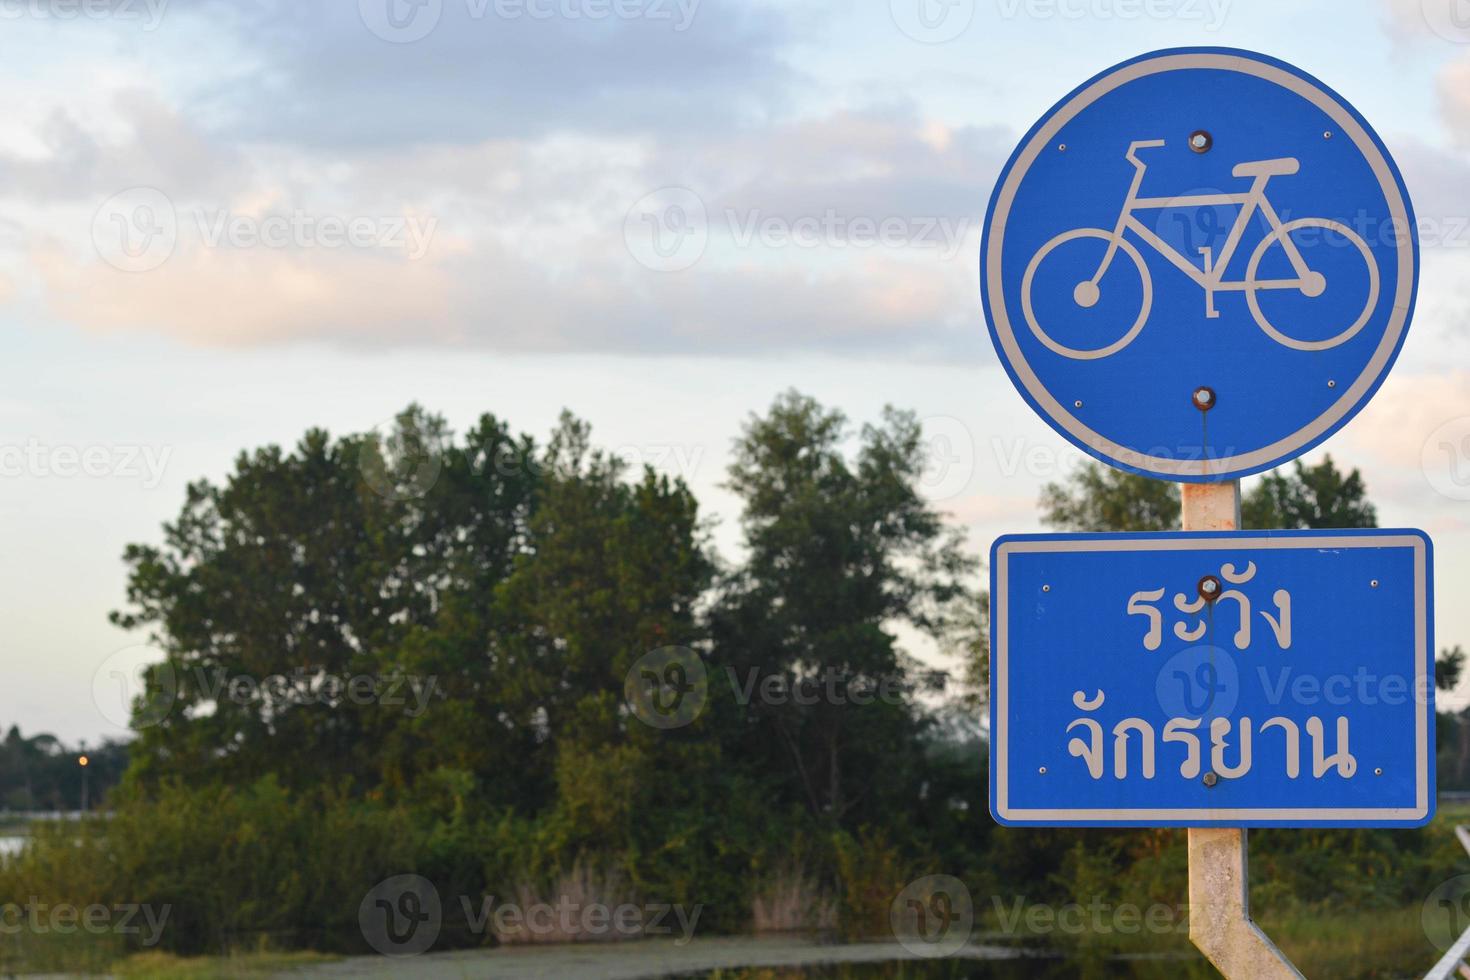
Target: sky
column 225, row 221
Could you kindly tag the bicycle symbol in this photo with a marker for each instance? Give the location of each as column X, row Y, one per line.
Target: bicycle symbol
column 1210, row 278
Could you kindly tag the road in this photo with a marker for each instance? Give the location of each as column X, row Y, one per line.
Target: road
column 624, row 961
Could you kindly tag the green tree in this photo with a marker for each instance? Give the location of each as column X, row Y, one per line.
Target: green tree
column 614, row 570
column 1101, row 498
column 518, row 585
column 970, row 642
column 1449, row 668
column 842, row 550
column 306, row 569
column 1319, row 496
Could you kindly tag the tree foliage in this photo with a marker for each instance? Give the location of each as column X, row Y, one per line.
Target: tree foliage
column 1100, row 498
column 1319, row 496
column 38, row 772
column 524, row 582
column 840, row 552
column 516, row 583
column 527, row 581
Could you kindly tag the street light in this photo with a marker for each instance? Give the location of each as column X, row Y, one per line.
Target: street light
column 82, row 761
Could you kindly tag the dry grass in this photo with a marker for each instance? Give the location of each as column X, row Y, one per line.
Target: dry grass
column 570, row 913
column 792, row 902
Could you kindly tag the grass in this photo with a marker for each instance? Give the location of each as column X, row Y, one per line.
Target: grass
column 1354, row 945
column 13, row 826
column 1375, row 944
column 83, row 953
column 24, row 951
column 1344, row 945
column 164, row 966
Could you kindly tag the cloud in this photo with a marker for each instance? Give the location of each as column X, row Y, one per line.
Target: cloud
column 852, row 233
column 1413, row 443
column 1393, row 427
column 1425, row 20
column 884, row 161
column 523, row 141
column 213, row 297
column 994, row 509
column 1452, row 87
column 486, row 295
column 462, row 71
column 158, row 148
column 1436, row 179
column 1404, row 19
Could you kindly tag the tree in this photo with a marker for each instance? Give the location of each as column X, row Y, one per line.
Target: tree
column 1101, row 498
column 970, row 640
column 841, row 550
column 40, row 772
column 613, row 570
column 504, row 590
column 1449, row 667
column 312, row 566
column 1317, row 496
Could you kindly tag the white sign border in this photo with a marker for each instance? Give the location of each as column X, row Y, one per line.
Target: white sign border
column 1198, row 541
column 1354, row 396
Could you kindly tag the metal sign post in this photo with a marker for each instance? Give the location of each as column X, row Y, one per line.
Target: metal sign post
column 1219, row 857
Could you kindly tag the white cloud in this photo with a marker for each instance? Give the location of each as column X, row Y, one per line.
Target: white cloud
column 1453, row 90
column 325, row 74
column 848, row 233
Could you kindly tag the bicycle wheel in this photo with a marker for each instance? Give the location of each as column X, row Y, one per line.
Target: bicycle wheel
column 1312, row 286
column 1086, row 295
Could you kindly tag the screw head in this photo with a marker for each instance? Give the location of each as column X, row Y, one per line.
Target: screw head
column 1373, row 584
column 1378, row 772
column 1062, row 147
column 1042, row 770
column 1211, row 779
column 1203, row 398
column 1209, row 588
column 1046, row 588
column 1200, row 141
column 1331, row 383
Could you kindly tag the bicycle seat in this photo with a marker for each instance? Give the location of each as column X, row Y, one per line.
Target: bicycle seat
column 1266, row 168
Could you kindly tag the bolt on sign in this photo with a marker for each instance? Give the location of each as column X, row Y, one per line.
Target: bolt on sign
column 1196, row 266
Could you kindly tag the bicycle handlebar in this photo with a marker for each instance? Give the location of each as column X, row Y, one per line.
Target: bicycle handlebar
column 1137, row 145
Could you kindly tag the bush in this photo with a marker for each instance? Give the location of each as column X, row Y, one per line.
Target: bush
column 230, row 868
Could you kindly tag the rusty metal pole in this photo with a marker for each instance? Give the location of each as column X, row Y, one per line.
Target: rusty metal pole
column 1219, row 881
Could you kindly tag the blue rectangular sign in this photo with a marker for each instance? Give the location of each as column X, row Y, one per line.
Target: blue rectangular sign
column 1225, row 679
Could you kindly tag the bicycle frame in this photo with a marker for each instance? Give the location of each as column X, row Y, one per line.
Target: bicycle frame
column 1211, row 277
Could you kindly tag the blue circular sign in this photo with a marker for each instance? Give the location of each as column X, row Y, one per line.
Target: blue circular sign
column 1199, row 264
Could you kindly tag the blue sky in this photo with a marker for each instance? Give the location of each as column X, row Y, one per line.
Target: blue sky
column 222, row 222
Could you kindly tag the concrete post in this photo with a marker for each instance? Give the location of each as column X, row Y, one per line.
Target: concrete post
column 1219, row 899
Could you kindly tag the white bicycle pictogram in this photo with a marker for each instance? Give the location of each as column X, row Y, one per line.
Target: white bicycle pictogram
column 1210, row 278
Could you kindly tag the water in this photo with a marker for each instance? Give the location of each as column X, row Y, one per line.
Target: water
column 1029, row 968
